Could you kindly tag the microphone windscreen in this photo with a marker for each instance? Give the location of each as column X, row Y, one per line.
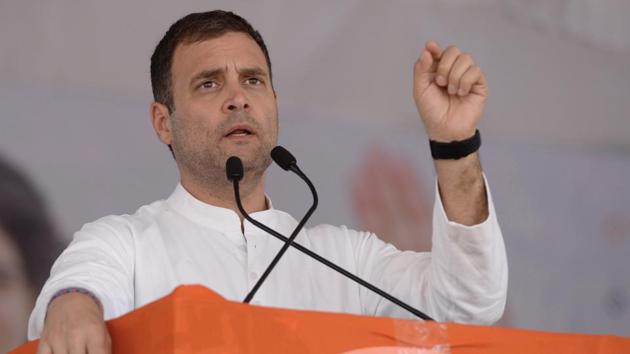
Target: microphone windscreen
column 234, row 168
column 283, row 157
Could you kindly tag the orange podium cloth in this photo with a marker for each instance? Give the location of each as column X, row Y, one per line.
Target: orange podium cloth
column 194, row 319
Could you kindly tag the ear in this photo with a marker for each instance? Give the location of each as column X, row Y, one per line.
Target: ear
column 161, row 119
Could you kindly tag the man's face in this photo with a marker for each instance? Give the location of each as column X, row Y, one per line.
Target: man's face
column 224, row 106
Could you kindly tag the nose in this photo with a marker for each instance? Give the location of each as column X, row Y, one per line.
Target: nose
column 236, row 101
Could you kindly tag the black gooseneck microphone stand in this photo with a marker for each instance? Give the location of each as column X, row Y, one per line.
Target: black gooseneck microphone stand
column 234, row 171
column 289, row 242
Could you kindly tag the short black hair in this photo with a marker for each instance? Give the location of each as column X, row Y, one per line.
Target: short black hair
column 25, row 220
column 194, row 28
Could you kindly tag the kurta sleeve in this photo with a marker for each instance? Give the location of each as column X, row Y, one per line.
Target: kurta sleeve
column 463, row 279
column 100, row 259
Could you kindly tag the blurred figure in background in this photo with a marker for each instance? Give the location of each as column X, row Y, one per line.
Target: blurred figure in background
column 388, row 199
column 28, row 247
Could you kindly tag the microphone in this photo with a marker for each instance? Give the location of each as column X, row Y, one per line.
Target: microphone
column 234, row 171
column 285, row 160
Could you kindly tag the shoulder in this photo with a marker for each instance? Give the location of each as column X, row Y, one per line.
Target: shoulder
column 124, row 225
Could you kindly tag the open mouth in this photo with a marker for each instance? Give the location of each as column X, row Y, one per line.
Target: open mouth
column 239, row 132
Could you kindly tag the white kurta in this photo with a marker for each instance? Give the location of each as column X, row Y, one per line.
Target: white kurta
column 130, row 260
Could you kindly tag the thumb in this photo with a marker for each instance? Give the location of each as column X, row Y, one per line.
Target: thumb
column 424, row 70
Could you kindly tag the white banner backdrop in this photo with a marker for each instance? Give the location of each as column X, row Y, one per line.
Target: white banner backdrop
column 74, row 92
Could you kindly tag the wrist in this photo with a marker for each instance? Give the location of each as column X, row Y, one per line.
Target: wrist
column 461, row 174
column 455, row 149
column 453, row 136
column 74, row 291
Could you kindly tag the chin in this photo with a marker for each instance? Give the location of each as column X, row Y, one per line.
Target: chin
column 257, row 163
column 248, row 152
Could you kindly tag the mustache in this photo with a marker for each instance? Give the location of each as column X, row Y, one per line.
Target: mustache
column 238, row 118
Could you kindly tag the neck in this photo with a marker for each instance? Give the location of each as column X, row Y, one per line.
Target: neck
column 221, row 194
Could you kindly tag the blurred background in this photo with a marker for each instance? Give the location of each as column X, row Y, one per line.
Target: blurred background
column 75, row 92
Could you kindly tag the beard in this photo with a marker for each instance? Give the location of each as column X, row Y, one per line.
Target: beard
column 203, row 151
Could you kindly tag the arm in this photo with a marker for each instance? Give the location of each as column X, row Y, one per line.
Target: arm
column 99, row 260
column 463, row 279
column 450, row 92
column 74, row 323
column 465, row 276
column 462, row 190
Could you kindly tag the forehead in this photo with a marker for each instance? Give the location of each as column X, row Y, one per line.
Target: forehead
column 232, row 49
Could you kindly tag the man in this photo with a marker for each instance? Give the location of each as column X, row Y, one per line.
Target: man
column 214, row 98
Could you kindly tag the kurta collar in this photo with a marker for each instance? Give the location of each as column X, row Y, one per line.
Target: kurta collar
column 220, row 219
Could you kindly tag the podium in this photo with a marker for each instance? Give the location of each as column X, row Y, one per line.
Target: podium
column 194, row 319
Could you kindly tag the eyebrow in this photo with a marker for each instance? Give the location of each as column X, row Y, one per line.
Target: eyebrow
column 253, row 71
column 207, row 74
column 212, row 73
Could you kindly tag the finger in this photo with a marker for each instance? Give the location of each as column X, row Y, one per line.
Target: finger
column 425, row 64
column 59, row 347
column 434, row 49
column 461, row 65
column 446, row 63
column 44, row 348
column 100, row 345
column 76, row 345
column 480, row 87
column 424, row 71
column 471, row 77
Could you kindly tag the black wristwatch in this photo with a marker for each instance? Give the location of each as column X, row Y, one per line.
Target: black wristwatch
column 455, row 149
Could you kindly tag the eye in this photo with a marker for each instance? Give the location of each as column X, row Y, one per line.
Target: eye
column 208, row 84
column 254, row 81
